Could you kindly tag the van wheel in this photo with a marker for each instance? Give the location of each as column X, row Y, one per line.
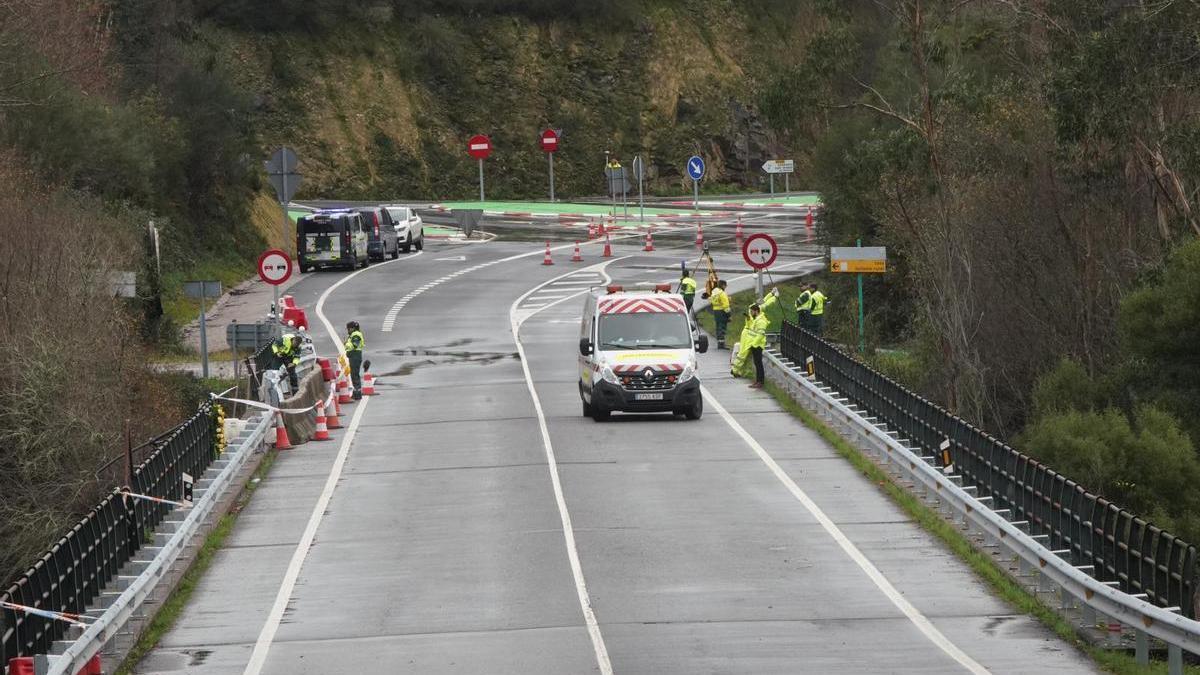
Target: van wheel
column 697, row 409
column 587, row 409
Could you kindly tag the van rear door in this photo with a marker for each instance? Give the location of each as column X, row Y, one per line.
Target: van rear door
column 322, row 237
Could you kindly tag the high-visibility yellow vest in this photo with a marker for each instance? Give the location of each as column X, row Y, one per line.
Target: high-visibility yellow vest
column 720, row 301
column 804, row 303
column 818, row 303
column 687, row 286
column 287, row 348
column 355, row 342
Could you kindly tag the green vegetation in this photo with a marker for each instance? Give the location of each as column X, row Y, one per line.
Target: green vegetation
column 983, row 564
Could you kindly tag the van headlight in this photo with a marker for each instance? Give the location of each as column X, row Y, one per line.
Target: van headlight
column 607, row 374
column 689, row 371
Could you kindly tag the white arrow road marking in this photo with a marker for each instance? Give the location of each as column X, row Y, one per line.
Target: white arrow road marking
column 457, row 258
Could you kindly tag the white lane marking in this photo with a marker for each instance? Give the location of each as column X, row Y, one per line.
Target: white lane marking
column 266, row 636
column 914, row 615
column 585, row 601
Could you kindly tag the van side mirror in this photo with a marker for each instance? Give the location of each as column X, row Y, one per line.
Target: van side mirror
column 585, row 346
column 702, row 343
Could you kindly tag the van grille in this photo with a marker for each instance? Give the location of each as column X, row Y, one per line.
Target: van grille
column 659, row 382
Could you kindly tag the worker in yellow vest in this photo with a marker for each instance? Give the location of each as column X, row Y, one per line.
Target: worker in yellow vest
column 754, row 336
column 355, row 343
column 720, row 310
column 817, row 314
column 687, row 288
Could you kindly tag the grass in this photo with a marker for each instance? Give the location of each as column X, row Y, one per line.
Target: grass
column 949, row 535
column 170, row 611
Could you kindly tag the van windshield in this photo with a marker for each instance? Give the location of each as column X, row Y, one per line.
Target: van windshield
column 309, row 225
column 644, row 330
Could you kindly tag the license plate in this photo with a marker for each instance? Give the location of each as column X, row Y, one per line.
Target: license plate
column 647, row 397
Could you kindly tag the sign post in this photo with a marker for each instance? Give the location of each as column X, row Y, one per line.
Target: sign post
column 695, row 169
column 479, row 147
column 783, row 166
column 639, row 170
column 858, row 260
column 549, row 145
column 281, row 170
column 202, row 290
column 759, row 251
column 274, row 267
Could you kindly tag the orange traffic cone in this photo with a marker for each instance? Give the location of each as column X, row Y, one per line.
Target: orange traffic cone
column 368, row 385
column 547, row 260
column 591, row 231
column 738, row 234
column 699, row 235
column 332, row 420
column 649, row 241
column 344, row 396
column 322, row 433
column 281, row 437
column 808, row 219
column 577, row 256
column 607, row 247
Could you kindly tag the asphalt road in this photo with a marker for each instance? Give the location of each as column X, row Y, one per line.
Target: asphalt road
column 470, row 520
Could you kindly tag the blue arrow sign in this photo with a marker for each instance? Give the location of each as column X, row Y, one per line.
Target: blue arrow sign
column 695, row 167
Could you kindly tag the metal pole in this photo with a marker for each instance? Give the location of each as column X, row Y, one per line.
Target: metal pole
column 551, row 155
column 695, row 194
column 772, row 183
column 862, row 345
column 786, row 189
column 641, row 203
column 480, row 180
column 128, row 454
column 758, row 285
column 203, row 335
column 283, row 204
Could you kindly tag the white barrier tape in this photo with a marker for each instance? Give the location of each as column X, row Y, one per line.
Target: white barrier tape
column 73, row 619
column 158, row 500
column 265, row 406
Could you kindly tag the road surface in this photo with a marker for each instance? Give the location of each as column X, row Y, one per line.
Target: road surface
column 471, row 520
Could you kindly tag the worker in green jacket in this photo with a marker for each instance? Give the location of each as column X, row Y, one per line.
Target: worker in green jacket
column 817, row 322
column 354, row 355
column 754, row 336
column 286, row 349
column 804, row 304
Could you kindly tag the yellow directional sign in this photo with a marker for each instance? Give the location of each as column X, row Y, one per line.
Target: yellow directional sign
column 859, row 266
column 858, row 259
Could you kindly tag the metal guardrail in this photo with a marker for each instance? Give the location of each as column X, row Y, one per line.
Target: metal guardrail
column 93, row 639
column 1117, row 544
column 75, row 570
column 1089, row 600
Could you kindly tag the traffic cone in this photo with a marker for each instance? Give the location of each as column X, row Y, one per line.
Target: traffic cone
column 547, row 260
column 281, row 437
column 607, row 247
column 326, row 369
column 332, row 420
column 577, row 256
column 322, row 433
column 344, row 396
column 368, row 385
column 699, row 235
column 737, row 233
column 649, row 241
column 591, row 231
column 808, row 219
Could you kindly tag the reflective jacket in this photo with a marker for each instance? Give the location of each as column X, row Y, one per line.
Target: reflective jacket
column 818, row 303
column 720, row 300
column 687, row 286
column 355, row 342
column 754, row 334
column 804, row 302
column 287, row 348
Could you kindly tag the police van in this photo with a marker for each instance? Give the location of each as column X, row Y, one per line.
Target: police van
column 331, row 238
column 637, row 353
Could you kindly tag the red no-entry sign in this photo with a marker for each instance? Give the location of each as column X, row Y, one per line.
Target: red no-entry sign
column 760, row 251
column 479, row 146
column 549, row 140
column 274, row 266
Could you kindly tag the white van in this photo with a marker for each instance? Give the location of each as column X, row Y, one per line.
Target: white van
column 637, row 353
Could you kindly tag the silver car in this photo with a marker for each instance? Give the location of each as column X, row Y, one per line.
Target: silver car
column 410, row 229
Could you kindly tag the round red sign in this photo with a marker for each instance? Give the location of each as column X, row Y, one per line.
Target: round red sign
column 759, row 251
column 479, row 146
column 274, row 266
column 549, row 140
